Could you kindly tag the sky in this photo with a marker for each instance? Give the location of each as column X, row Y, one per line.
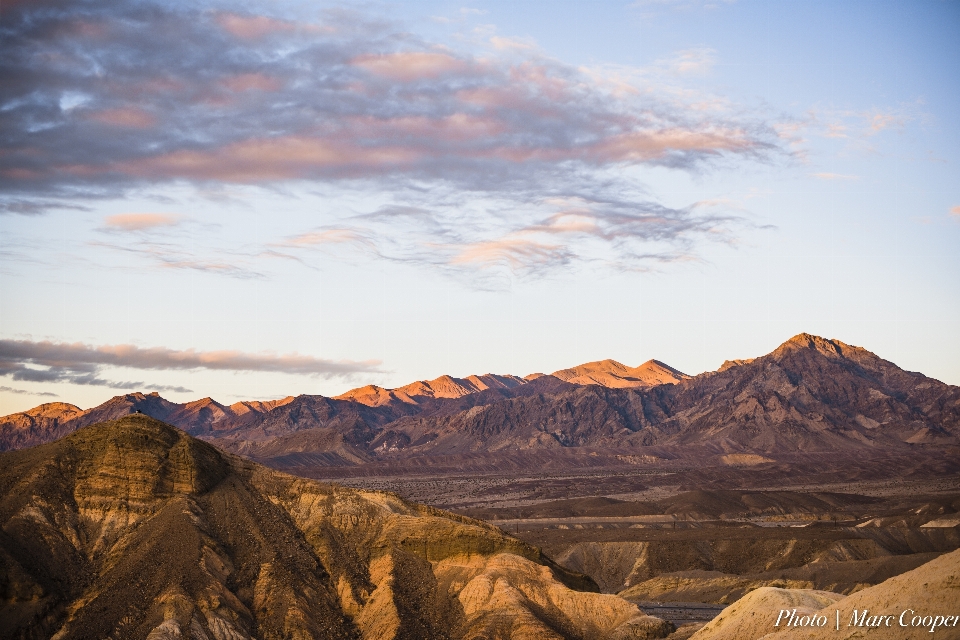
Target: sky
column 250, row 200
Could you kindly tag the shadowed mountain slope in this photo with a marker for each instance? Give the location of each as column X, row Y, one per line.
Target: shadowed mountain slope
column 134, row 529
column 810, row 394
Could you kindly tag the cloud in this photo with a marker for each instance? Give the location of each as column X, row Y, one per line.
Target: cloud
column 171, row 255
column 880, row 121
column 410, row 65
column 125, row 117
column 544, row 235
column 28, row 393
column 140, row 221
column 97, row 104
column 501, row 43
column 328, row 237
column 79, row 363
column 955, row 211
column 34, row 207
column 519, row 254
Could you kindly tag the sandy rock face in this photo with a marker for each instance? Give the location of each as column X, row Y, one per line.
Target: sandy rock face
column 514, row 597
column 133, row 529
column 755, row 614
column 903, row 607
column 928, row 591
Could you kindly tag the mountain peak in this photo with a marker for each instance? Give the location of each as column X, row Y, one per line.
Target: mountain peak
column 831, row 348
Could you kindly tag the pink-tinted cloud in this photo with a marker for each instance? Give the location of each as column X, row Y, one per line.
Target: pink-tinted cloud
column 880, row 121
column 141, row 221
column 501, row 43
column 172, row 256
column 955, row 211
column 640, row 146
column 125, row 117
column 271, row 159
column 251, row 82
column 516, row 253
column 836, row 130
column 253, row 27
column 411, row 65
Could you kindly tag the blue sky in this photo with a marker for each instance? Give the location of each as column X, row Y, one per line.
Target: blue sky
column 250, row 201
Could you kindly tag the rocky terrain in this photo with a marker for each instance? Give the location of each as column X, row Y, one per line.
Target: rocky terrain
column 133, row 529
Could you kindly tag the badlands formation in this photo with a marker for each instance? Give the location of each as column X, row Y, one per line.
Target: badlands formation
column 133, row 529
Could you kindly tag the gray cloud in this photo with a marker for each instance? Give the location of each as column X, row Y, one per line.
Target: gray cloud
column 78, row 363
column 76, row 373
column 35, row 207
column 83, row 358
column 24, row 392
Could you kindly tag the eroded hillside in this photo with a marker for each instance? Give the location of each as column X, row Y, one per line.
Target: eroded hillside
column 133, row 529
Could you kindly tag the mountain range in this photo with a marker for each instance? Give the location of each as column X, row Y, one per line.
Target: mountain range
column 810, row 394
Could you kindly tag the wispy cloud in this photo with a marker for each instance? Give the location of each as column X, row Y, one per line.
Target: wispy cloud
column 955, row 211
column 502, row 43
column 24, row 392
column 36, row 206
column 79, row 363
column 172, row 255
column 532, row 240
column 878, row 121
